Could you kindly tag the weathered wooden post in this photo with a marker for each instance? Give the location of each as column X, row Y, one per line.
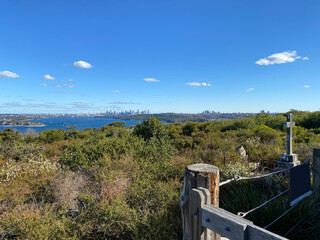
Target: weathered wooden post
column 316, row 172
column 198, row 175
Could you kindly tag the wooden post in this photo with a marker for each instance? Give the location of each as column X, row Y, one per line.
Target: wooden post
column 316, row 172
column 196, row 202
column 198, row 175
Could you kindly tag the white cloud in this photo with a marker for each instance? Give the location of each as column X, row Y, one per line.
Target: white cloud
column 278, row 58
column 44, row 85
column 57, row 86
column 81, row 104
column 82, row 64
column 116, row 91
column 123, row 102
column 9, row 74
column 68, row 80
column 20, row 105
column 305, row 58
column 250, row 90
column 198, row 84
column 69, row 85
column 60, row 92
column 306, row 86
column 151, row 80
column 48, row 77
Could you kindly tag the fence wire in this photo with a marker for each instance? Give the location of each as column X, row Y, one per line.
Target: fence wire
column 243, row 214
column 238, row 178
column 293, row 227
column 280, row 216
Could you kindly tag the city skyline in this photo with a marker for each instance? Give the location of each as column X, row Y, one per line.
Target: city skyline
column 165, row 56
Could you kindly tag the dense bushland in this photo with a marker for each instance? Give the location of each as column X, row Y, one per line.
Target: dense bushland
column 121, row 182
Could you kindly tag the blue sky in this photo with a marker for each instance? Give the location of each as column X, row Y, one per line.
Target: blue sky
column 165, row 56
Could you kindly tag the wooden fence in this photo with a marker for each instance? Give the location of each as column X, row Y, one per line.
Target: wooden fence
column 202, row 219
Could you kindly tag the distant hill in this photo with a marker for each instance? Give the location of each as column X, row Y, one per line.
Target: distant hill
column 182, row 117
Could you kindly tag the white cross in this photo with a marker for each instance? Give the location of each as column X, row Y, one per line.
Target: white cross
column 289, row 125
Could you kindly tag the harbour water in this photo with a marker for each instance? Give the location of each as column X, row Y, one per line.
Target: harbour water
column 63, row 122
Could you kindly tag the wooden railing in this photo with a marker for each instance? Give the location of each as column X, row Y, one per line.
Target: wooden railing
column 202, row 219
column 205, row 217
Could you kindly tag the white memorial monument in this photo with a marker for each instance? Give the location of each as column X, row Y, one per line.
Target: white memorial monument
column 289, row 159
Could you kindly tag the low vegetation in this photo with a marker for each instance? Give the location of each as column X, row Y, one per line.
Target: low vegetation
column 121, row 182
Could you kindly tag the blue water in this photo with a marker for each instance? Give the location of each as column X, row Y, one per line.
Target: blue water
column 63, row 122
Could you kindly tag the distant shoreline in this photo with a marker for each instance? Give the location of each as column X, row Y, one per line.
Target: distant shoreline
column 22, row 126
column 61, row 123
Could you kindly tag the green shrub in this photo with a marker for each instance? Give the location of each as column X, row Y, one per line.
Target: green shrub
column 266, row 134
column 189, row 128
column 36, row 222
column 85, row 154
column 49, row 136
column 9, row 135
column 19, row 151
column 26, row 169
column 150, row 128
